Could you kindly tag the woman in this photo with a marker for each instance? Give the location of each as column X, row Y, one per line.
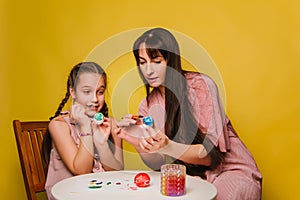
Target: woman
column 75, row 143
column 190, row 126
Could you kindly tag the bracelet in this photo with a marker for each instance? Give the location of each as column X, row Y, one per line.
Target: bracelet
column 86, row 134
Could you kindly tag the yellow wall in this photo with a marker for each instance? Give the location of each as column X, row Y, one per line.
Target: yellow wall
column 255, row 44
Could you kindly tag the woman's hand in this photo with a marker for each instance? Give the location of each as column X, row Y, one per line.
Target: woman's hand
column 123, row 134
column 131, row 129
column 127, row 121
column 155, row 142
column 131, row 125
column 102, row 131
column 127, row 128
column 144, row 138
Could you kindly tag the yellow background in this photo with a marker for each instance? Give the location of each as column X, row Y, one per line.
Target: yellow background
column 255, row 44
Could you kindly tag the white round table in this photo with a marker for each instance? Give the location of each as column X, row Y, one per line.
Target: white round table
column 120, row 185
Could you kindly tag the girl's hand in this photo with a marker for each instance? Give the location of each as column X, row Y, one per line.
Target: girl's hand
column 77, row 112
column 102, row 131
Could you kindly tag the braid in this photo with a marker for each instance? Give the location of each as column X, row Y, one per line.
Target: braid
column 61, row 105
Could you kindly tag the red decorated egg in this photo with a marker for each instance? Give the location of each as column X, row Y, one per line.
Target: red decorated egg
column 142, row 179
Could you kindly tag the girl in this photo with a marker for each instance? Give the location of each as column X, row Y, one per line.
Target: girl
column 190, row 126
column 68, row 146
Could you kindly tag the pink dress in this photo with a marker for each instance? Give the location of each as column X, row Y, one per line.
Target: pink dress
column 237, row 177
column 57, row 171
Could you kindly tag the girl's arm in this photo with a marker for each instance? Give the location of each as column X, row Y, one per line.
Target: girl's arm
column 109, row 160
column 77, row 160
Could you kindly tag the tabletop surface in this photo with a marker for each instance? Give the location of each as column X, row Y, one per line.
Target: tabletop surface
column 120, row 184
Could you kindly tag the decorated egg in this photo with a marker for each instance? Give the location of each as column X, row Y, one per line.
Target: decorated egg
column 148, row 120
column 142, row 179
column 99, row 118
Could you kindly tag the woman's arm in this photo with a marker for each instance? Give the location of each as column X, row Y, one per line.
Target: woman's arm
column 153, row 150
column 193, row 154
column 77, row 160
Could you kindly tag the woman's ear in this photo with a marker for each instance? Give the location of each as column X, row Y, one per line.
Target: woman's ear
column 72, row 92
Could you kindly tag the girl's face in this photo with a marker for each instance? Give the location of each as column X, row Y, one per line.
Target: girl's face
column 153, row 69
column 90, row 92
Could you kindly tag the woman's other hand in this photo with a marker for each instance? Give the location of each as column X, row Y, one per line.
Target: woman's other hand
column 154, row 142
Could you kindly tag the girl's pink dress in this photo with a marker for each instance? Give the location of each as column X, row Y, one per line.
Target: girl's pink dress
column 238, row 176
column 57, row 171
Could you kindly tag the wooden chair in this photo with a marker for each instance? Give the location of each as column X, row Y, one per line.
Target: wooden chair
column 29, row 138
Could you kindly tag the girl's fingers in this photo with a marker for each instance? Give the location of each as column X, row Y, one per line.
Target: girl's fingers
column 93, row 125
column 104, row 123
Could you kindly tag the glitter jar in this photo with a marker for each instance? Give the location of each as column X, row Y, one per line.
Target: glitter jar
column 172, row 180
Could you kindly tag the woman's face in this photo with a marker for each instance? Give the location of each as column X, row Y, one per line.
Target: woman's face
column 153, row 69
column 90, row 92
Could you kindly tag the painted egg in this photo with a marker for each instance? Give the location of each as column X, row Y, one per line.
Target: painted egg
column 148, row 120
column 99, row 118
column 142, row 179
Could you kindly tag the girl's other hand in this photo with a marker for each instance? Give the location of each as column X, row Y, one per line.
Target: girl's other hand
column 102, row 131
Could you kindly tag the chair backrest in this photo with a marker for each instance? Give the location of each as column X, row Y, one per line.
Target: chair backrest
column 29, row 137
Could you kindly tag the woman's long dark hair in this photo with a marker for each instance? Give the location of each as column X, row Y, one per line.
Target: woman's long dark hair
column 83, row 67
column 180, row 124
